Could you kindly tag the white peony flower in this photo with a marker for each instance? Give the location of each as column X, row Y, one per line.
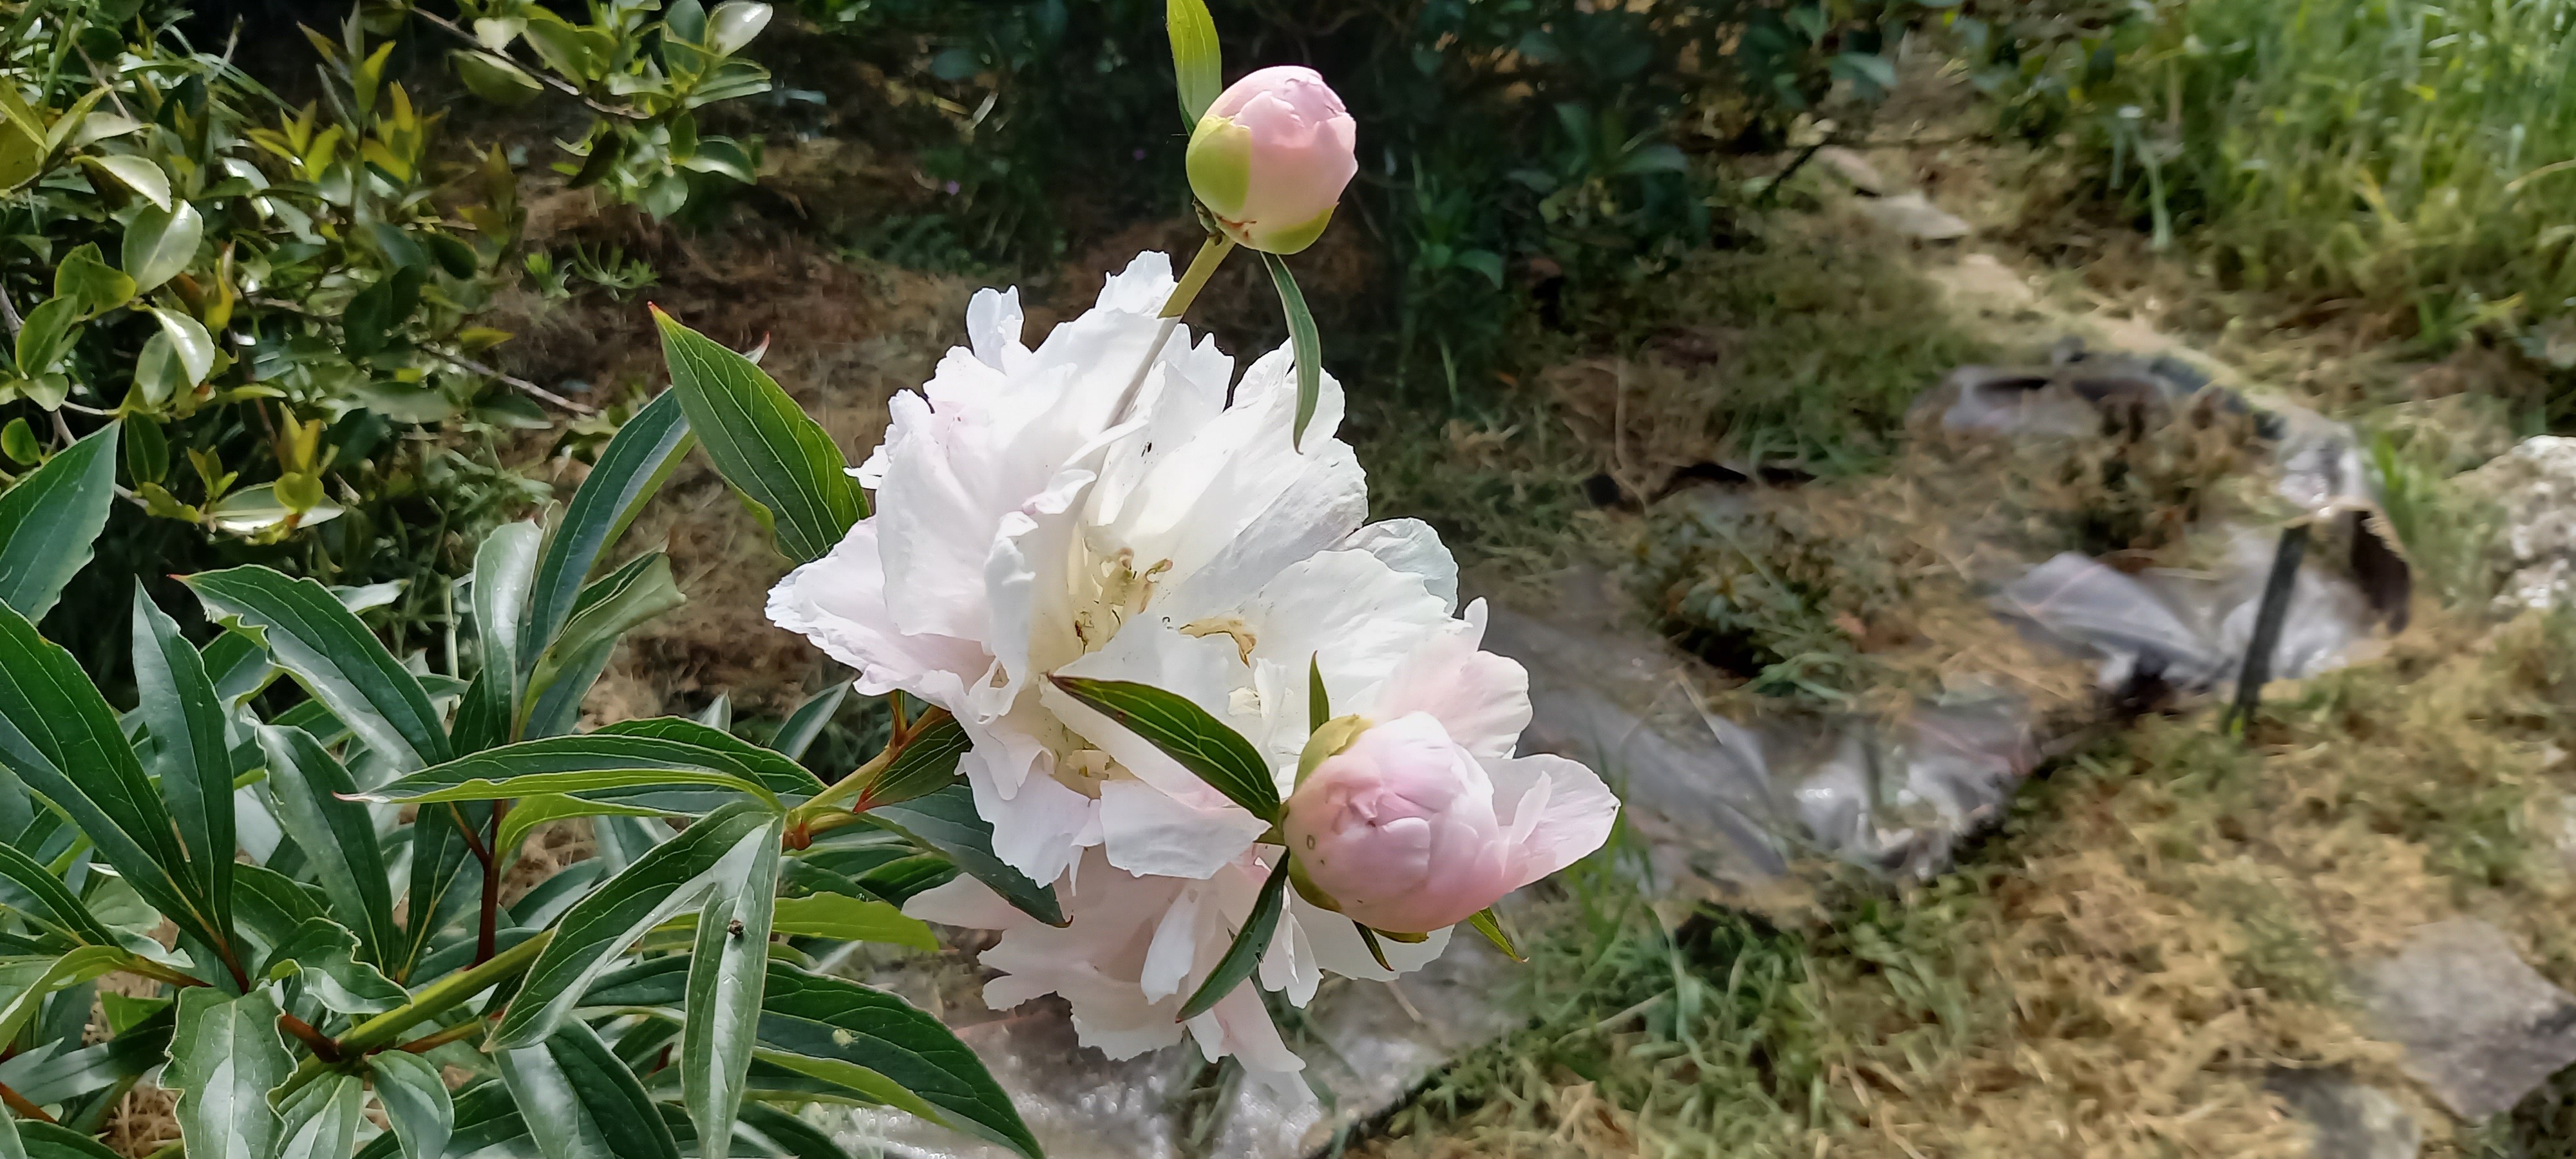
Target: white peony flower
column 1058, row 511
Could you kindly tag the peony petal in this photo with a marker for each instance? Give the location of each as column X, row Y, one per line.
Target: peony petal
column 1174, row 949
column 839, row 603
column 964, row 901
column 1412, row 547
column 1338, row 948
column 1481, row 699
column 993, row 322
column 1240, row 1025
column 1146, row 830
column 1575, row 812
column 1034, row 830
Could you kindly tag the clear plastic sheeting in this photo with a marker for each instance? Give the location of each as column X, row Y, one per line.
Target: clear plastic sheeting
column 1897, row 799
column 2189, row 629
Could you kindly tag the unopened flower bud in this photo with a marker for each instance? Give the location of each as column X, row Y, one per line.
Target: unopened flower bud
column 1398, row 829
column 1271, row 157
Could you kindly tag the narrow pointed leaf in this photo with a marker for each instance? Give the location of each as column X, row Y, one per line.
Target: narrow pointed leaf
column 791, row 781
column 672, row 876
column 1196, row 64
column 1306, row 345
column 323, row 954
column 580, row 1102
column 307, row 788
column 1490, row 924
column 638, row 460
column 1250, row 942
column 44, row 978
column 328, row 651
column 180, row 706
column 874, row 1041
column 793, row 1137
column 728, row 968
column 925, row 766
column 605, row 611
column 224, row 1059
column 504, row 574
column 63, row 742
column 48, row 1141
column 31, row 891
column 945, row 822
column 1319, row 706
column 445, row 877
column 763, row 443
column 321, row 1121
column 1186, row 733
column 416, row 1103
column 602, row 765
column 839, row 917
column 526, row 813
column 49, row 519
column 798, row 732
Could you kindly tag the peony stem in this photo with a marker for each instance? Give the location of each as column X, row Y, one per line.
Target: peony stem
column 1211, row 255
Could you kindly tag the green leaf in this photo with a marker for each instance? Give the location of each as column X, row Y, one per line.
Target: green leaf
column 875, row 1042
column 945, row 822
column 321, row 1121
column 323, row 954
column 607, row 609
column 793, row 1137
column 179, row 705
column 48, row 1141
column 728, row 968
column 62, row 740
column 1319, row 706
column 308, row 789
column 71, row 969
column 1308, row 346
column 582, row 1102
column 1490, row 924
column 445, row 877
column 32, row 892
column 1244, row 956
column 763, row 444
column 526, row 813
column 46, row 335
column 638, row 460
column 798, row 732
column 328, row 651
column 18, row 442
column 925, row 766
column 138, row 174
column 86, row 278
column 495, row 79
column 733, row 24
column 850, row 919
column 416, row 1102
column 783, row 775
column 669, row 878
column 599, row 764
column 270, row 905
column 49, row 520
column 1196, row 63
column 504, row 573
column 147, row 452
column 1186, row 733
column 223, row 1061
column 159, row 243
column 189, row 342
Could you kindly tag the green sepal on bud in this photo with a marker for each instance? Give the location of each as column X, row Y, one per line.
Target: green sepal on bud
column 1328, row 740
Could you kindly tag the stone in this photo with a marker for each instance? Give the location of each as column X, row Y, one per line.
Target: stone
column 1913, row 215
column 2350, row 1120
column 2534, row 488
column 1372, row 1044
column 1855, row 170
column 2480, row 1027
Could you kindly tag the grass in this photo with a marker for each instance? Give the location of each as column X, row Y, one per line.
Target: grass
column 2418, row 156
column 2164, row 919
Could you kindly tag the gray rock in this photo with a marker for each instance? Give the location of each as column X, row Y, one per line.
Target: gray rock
column 1372, row 1043
column 2534, row 487
column 2351, row 1120
column 1913, row 215
column 2480, row 1027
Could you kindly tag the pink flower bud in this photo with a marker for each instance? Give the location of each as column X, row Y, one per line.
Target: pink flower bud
column 1398, row 829
column 1271, row 156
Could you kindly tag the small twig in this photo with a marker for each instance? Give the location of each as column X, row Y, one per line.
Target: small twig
column 323, row 1047
column 488, row 931
column 18, row 1102
column 429, row 1042
column 461, row 362
column 549, row 79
